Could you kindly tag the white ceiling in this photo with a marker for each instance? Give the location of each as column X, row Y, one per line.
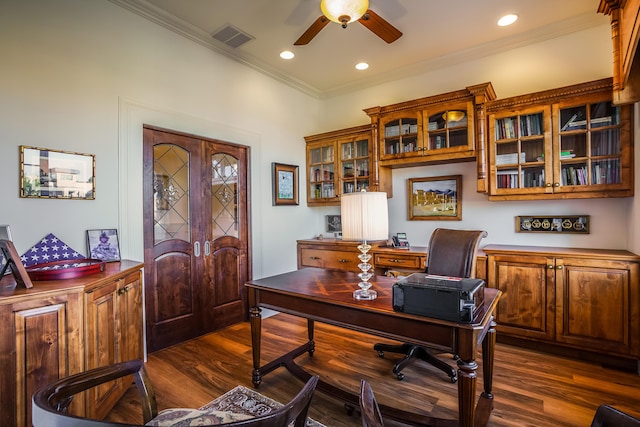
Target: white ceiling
column 436, row 33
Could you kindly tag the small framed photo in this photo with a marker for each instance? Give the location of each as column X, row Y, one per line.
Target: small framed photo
column 435, row 198
column 5, row 234
column 285, row 184
column 103, row 244
column 334, row 223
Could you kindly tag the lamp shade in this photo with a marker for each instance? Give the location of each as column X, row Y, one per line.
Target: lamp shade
column 365, row 216
column 344, row 10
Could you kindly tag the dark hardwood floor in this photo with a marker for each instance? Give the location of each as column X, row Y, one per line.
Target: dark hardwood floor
column 530, row 388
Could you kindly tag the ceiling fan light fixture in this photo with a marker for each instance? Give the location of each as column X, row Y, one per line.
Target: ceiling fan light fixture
column 344, row 11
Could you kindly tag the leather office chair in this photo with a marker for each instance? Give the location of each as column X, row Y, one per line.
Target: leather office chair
column 450, row 253
column 50, row 403
column 606, row 416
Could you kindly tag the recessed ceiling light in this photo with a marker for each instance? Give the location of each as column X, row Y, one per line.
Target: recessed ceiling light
column 286, row 54
column 507, row 20
column 362, row 66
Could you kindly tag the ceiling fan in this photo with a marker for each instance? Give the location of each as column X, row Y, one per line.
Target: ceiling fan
column 346, row 11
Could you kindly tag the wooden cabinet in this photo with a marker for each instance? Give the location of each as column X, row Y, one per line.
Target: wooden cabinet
column 332, row 254
column 113, row 334
column 343, row 255
column 343, row 161
column 45, row 335
column 437, row 129
column 40, row 342
column 585, row 299
column 570, row 142
column 625, row 34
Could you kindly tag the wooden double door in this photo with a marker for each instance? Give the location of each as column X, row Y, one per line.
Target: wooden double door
column 196, row 235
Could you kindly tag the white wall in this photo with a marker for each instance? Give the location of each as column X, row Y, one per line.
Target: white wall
column 579, row 57
column 83, row 76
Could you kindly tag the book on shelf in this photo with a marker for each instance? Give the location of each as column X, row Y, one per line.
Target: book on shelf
column 511, row 158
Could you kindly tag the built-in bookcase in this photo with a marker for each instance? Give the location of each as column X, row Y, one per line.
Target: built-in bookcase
column 577, row 144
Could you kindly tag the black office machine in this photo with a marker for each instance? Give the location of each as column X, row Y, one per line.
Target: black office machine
column 440, row 297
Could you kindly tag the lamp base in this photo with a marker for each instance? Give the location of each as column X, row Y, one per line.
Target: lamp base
column 365, row 294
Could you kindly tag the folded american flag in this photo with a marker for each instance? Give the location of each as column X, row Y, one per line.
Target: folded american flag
column 49, row 249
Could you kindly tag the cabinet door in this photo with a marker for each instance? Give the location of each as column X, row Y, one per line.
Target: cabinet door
column 401, row 135
column 321, row 173
column 130, row 318
column 589, row 153
column 520, row 152
column 599, row 307
column 41, row 344
column 449, row 129
column 102, row 346
column 526, row 307
column 355, row 163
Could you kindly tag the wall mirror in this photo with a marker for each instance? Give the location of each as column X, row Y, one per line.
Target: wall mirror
column 56, row 174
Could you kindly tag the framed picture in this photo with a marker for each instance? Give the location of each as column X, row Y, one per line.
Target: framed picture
column 13, row 264
column 334, row 223
column 285, row 184
column 103, row 244
column 437, row 198
column 56, row 174
column 5, row 234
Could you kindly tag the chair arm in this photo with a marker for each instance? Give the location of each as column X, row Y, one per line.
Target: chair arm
column 55, row 397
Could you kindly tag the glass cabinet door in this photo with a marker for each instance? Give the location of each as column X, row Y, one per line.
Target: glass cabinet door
column 321, row 172
column 520, row 145
column 449, row 128
column 400, row 136
column 589, row 149
column 354, row 164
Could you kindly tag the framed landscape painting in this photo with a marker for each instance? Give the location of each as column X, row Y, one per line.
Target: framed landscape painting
column 435, row 198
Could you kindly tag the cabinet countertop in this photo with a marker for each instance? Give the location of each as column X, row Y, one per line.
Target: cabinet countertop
column 615, row 254
column 9, row 291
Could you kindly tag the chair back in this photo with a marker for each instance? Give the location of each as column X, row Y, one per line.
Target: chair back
column 453, row 252
column 607, row 416
column 50, row 403
column 371, row 416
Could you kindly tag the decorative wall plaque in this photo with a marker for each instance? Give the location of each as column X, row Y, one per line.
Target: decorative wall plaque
column 553, row 224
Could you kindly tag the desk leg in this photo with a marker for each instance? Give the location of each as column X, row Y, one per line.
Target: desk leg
column 310, row 334
column 466, row 392
column 255, row 319
column 488, row 353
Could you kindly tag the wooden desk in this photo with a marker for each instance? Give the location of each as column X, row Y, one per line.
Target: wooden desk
column 326, row 296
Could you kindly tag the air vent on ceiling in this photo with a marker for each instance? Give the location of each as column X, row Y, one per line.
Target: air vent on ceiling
column 231, row 36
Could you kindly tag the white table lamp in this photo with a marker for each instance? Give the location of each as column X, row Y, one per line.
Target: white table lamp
column 365, row 216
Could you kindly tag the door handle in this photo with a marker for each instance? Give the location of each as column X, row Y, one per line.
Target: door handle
column 196, row 248
column 207, row 248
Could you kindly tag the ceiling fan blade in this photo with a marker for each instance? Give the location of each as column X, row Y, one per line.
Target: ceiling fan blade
column 312, row 31
column 380, row 26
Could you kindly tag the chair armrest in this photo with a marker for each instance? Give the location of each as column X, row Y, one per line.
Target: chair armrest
column 56, row 397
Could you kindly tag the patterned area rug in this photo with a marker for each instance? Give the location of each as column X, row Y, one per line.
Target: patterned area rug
column 244, row 400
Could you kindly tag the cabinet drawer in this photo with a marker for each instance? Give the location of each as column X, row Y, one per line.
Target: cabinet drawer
column 337, row 260
column 400, row 261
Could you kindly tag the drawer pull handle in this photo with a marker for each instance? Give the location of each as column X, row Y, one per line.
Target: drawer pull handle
column 315, row 258
column 343, row 260
column 394, row 260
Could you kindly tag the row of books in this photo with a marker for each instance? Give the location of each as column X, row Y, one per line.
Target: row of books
column 509, row 127
column 606, row 172
column 574, row 175
column 321, row 175
column 404, row 129
column 528, row 178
